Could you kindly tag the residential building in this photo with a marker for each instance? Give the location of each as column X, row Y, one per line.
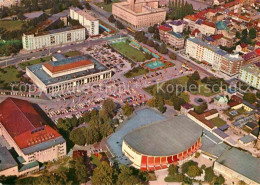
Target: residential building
column 67, row 74
column 139, row 14
column 250, row 74
column 163, row 29
column 175, row 39
column 45, row 39
column 85, row 19
column 207, row 28
column 178, row 25
column 219, row 59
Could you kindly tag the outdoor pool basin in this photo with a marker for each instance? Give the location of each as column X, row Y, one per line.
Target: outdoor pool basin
column 104, row 28
column 154, row 65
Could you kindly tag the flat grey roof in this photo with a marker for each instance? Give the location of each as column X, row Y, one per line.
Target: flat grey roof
column 38, row 71
column 43, row 146
column 165, row 138
column 241, row 162
column 6, row 159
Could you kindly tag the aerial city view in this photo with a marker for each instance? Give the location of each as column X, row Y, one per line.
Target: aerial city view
column 127, row 92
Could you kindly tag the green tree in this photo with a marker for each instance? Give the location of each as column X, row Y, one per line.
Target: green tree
column 195, row 76
column 193, row 171
column 220, row 180
column 77, row 136
column 173, row 170
column 151, row 29
column 128, row 109
column 172, row 56
column 192, row 85
column 104, row 174
column 126, row 176
column 185, row 166
column 201, row 108
column 81, row 170
column 252, row 33
column 250, row 97
column 112, row 19
column 163, row 49
column 238, row 35
column 209, row 174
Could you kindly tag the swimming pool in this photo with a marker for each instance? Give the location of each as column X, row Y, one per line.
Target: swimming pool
column 154, row 65
column 104, row 28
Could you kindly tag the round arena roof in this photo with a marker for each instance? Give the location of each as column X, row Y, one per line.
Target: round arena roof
column 165, row 138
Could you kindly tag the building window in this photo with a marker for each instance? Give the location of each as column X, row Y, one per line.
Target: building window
column 69, row 37
column 52, row 40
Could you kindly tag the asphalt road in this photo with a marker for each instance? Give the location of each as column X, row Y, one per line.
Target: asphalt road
column 21, row 56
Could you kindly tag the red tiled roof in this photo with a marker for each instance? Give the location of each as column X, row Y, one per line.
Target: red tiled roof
column 234, row 101
column 191, row 17
column 195, row 31
column 68, row 66
column 21, row 121
column 201, row 117
column 218, row 36
column 258, row 51
column 211, row 24
column 164, row 28
column 243, row 45
column 31, row 138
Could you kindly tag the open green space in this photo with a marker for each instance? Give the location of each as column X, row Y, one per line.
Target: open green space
column 10, row 25
column 8, row 75
column 72, row 53
column 107, row 7
column 32, row 62
column 136, row 72
column 218, row 122
column 204, row 90
column 129, row 51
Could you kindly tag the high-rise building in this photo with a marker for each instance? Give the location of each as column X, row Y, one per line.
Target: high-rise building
column 86, row 20
column 138, row 13
column 250, row 74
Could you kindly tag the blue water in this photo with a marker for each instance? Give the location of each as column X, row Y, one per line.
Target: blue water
column 155, row 64
column 104, row 28
column 142, row 117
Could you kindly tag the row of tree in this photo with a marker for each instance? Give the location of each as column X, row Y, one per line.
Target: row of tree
column 179, row 9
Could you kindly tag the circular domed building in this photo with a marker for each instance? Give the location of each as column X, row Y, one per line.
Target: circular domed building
column 160, row 144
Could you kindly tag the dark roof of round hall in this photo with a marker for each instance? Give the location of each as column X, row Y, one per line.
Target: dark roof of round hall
column 165, row 138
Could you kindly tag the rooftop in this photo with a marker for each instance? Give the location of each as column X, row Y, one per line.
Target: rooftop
column 84, row 14
column 178, row 35
column 48, row 80
column 67, row 64
column 172, row 137
column 6, row 159
column 253, row 69
column 241, row 162
column 27, row 126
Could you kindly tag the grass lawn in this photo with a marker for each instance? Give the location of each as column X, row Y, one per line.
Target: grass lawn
column 136, row 72
column 218, row 122
column 129, row 51
column 95, row 160
column 9, row 76
column 107, row 7
column 204, row 90
column 32, row 62
column 11, row 25
column 72, row 53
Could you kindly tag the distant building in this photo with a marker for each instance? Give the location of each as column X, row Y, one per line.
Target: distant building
column 40, row 40
column 219, row 59
column 207, row 28
column 163, row 29
column 239, row 165
column 139, row 14
column 85, row 19
column 24, row 130
column 67, row 74
column 250, row 74
column 178, row 25
column 9, row 3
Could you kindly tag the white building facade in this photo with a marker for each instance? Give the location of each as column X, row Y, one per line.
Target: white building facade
column 32, row 41
column 86, row 20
